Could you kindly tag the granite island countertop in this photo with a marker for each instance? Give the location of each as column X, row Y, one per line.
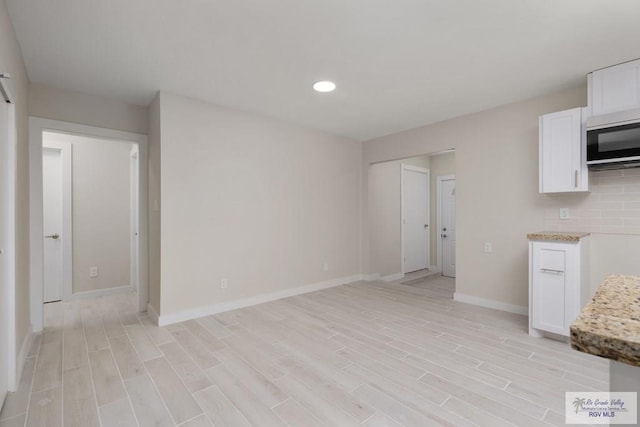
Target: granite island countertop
column 609, row 325
column 557, row 236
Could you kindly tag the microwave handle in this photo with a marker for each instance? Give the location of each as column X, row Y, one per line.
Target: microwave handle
column 575, row 178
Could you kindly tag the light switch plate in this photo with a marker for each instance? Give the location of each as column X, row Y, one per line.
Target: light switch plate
column 564, row 213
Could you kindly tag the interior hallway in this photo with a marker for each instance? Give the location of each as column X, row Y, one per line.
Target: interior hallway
column 368, row 353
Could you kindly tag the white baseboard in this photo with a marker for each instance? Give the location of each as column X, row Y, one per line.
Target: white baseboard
column 22, row 355
column 392, row 277
column 496, row 305
column 371, row 277
column 153, row 314
column 100, row 293
column 194, row 313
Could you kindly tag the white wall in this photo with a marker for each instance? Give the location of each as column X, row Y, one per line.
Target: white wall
column 68, row 106
column 11, row 62
column 497, row 188
column 258, row 201
column 154, row 204
column 384, row 207
column 101, row 214
column 101, row 211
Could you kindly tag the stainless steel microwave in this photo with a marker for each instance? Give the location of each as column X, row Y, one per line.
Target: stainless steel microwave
column 614, row 145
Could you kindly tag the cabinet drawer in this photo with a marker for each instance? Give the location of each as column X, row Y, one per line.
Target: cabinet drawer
column 552, row 260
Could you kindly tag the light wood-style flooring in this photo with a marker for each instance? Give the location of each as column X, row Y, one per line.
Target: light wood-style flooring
column 364, row 354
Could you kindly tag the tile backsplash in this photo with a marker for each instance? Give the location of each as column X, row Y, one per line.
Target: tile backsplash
column 612, row 206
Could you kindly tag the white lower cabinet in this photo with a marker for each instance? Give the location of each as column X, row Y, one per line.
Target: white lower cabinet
column 558, row 284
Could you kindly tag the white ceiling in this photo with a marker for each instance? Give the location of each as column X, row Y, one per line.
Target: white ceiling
column 398, row 64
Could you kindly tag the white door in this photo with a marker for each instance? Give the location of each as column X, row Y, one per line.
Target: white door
column 52, row 210
column 5, row 205
column 415, row 212
column 448, row 226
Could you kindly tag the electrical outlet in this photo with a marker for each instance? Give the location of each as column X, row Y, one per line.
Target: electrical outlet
column 325, row 266
column 224, row 283
column 93, row 271
column 488, row 247
column 564, row 213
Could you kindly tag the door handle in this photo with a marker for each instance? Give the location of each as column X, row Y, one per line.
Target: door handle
column 426, row 225
column 53, row 236
column 550, row 270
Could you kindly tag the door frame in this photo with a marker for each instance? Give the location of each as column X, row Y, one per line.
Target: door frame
column 439, row 180
column 9, row 297
column 67, row 229
column 36, row 127
column 403, row 168
column 134, row 196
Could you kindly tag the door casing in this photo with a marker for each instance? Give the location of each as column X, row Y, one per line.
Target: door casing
column 8, row 169
column 134, row 193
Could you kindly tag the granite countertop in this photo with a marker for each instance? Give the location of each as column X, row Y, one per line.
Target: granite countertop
column 559, row 236
column 609, row 326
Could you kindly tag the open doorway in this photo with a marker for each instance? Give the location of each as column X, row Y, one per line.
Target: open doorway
column 90, row 238
column 405, row 214
column 88, row 213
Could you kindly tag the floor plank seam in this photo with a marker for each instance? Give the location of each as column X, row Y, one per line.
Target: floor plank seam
column 126, row 391
column 62, row 386
column 33, row 379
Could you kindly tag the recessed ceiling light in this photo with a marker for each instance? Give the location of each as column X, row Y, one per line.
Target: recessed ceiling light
column 324, row 86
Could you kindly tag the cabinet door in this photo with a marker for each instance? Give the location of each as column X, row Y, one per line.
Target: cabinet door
column 562, row 168
column 553, row 286
column 615, row 88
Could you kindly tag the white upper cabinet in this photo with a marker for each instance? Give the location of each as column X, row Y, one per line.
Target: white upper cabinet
column 563, row 152
column 614, row 88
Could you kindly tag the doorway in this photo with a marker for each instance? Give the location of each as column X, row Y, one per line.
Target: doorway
column 415, row 218
column 385, row 216
column 83, row 279
column 446, row 211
